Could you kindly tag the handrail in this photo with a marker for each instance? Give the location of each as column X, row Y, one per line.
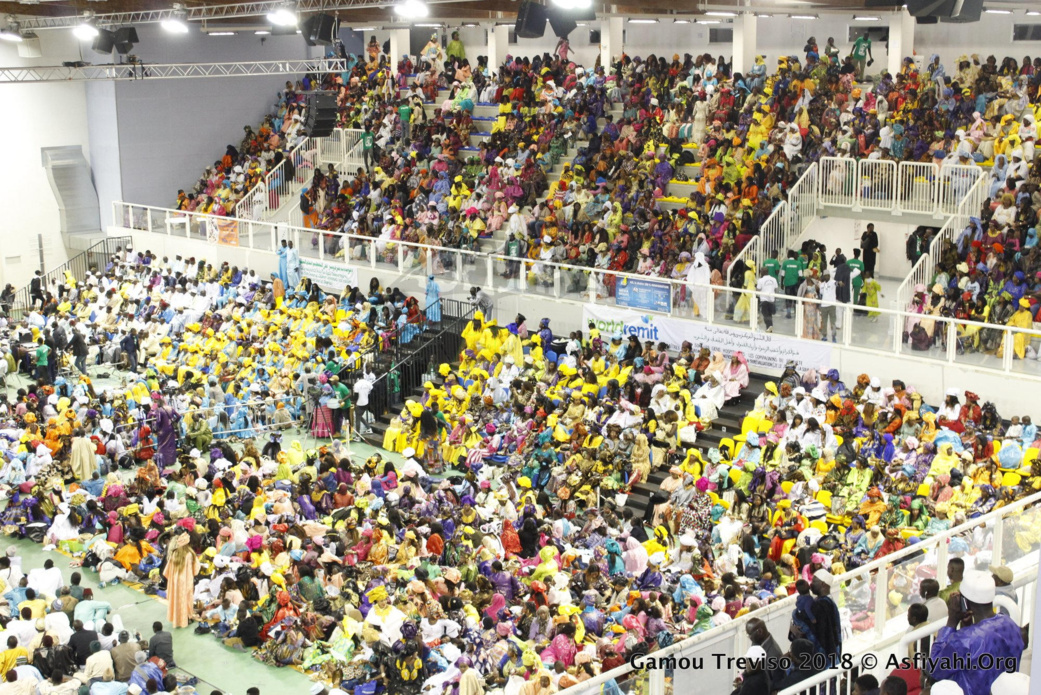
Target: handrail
column 78, row 264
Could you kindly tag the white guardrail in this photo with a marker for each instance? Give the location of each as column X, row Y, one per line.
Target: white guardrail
column 872, row 329
column 907, row 187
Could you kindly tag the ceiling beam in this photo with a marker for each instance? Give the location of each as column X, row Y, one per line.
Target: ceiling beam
column 144, row 71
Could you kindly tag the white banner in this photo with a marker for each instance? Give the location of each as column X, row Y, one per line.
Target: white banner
column 767, row 351
column 329, row 276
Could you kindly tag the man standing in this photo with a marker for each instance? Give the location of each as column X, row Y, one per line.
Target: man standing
column 973, row 631
column 791, row 275
column 828, row 290
column 857, row 266
column 828, row 626
column 862, row 54
column 43, row 372
column 79, row 348
column 767, row 287
column 367, row 141
column 36, row 289
column 869, row 247
column 292, row 267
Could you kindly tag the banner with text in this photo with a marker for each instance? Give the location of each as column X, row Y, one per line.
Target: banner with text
column 329, row 275
column 763, row 350
column 644, row 294
column 222, row 231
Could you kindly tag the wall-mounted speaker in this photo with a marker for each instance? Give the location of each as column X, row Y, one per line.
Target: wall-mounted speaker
column 965, row 11
column 531, row 20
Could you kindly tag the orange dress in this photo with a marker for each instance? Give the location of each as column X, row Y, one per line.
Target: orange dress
column 180, row 590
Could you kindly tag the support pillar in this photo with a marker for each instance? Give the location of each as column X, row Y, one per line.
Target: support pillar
column 901, row 39
column 610, row 41
column 400, row 44
column 745, row 44
column 498, row 45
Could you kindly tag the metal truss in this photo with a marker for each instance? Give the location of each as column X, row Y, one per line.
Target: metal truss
column 144, row 71
column 201, row 12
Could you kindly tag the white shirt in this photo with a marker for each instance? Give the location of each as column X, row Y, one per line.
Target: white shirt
column 767, row 285
column 827, row 293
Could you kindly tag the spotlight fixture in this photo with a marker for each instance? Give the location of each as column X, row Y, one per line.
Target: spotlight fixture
column 86, row 30
column 12, row 32
column 283, row 16
column 412, row 9
column 178, row 23
column 573, row 4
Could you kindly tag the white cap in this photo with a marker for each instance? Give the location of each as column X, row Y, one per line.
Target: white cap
column 134, row 689
column 978, row 586
column 657, row 558
column 952, row 392
column 825, row 577
column 408, row 452
column 946, row 688
column 755, row 653
column 1010, row 684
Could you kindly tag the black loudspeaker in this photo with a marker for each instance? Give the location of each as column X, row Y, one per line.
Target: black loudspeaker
column 104, row 42
column 562, row 23
column 531, row 20
column 321, row 114
column 126, row 37
column 319, row 30
column 965, row 11
column 926, row 20
column 930, row 8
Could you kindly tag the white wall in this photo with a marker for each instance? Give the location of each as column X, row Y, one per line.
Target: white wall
column 36, row 116
column 843, row 233
column 103, row 129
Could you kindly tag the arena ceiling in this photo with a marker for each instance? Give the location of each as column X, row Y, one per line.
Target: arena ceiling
column 379, row 12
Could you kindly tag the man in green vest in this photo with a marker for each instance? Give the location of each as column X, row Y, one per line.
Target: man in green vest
column 856, row 263
column 791, row 274
column 772, row 266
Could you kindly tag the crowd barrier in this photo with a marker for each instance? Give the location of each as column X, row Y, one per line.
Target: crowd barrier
column 866, row 328
column 886, row 186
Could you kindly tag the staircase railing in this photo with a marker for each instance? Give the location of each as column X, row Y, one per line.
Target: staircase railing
column 95, row 258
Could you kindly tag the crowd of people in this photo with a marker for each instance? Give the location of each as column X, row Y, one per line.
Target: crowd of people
column 491, row 547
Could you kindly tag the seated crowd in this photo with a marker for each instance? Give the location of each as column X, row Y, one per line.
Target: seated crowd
column 499, row 550
column 750, row 136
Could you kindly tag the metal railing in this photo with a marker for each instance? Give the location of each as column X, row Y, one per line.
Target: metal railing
column 277, row 188
column 924, row 268
column 871, row 329
column 406, row 365
column 854, row 592
column 910, row 187
column 94, row 259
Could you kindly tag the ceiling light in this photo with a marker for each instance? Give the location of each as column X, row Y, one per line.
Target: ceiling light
column 681, row 21
column 283, row 16
column 222, row 33
column 760, row 15
column 720, row 14
column 573, row 4
column 708, row 21
column 432, row 26
column 364, row 28
column 177, row 23
column 998, row 11
column 470, row 24
column 643, row 21
column 1033, row 13
column 261, row 32
column 12, row 32
column 86, row 31
column 866, row 19
column 803, row 16
column 412, row 9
